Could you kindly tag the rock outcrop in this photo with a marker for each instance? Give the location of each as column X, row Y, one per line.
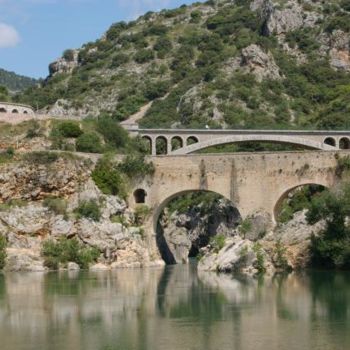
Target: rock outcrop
column 262, row 65
column 194, row 229
column 64, row 64
column 27, row 222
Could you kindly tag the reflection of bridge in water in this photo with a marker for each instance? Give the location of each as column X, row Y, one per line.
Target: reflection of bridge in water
column 183, row 141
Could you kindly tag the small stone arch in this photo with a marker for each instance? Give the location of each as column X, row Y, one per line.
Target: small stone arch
column 278, row 206
column 140, row 196
column 15, row 111
column 25, row 112
column 161, row 145
column 148, row 142
column 344, row 143
column 3, row 110
column 330, row 141
column 191, row 140
column 176, row 143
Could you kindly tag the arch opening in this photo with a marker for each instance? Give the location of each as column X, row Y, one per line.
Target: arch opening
column 25, row 112
column 140, row 196
column 176, row 143
column 161, row 145
column 147, row 144
column 253, row 146
column 344, row 143
column 188, row 221
column 3, row 110
column 330, row 141
column 296, row 199
column 191, row 140
column 285, row 140
column 15, row 111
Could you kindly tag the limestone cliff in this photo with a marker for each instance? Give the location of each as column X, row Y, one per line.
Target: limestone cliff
column 39, row 204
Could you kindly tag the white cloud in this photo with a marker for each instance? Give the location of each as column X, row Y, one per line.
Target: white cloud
column 8, row 36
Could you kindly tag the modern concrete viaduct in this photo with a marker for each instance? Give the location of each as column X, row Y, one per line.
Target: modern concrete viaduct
column 254, row 182
column 190, row 141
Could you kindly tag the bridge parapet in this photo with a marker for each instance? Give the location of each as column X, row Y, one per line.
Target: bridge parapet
column 190, row 140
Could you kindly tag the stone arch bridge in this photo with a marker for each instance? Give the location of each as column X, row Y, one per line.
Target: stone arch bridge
column 190, row 141
column 254, row 182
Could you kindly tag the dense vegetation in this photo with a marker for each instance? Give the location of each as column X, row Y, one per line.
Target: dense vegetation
column 183, row 61
column 68, row 250
column 331, row 249
column 15, row 82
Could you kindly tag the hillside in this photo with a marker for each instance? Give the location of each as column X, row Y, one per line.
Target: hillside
column 241, row 64
column 15, row 82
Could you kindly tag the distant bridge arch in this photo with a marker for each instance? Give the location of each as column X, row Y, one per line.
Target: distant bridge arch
column 281, row 139
column 196, row 140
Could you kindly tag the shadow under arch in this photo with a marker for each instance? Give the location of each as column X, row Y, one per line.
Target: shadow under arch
column 161, row 241
column 281, row 198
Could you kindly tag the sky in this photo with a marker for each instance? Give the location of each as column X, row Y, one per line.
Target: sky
column 33, row 33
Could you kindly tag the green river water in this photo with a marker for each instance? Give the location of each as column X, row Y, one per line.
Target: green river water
column 174, row 308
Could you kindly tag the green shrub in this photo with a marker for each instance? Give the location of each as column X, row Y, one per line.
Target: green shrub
column 280, row 256
column 144, row 56
column 141, row 213
column 89, row 209
column 34, row 130
column 112, row 132
column 108, row 178
column 68, row 55
column 68, row 250
column 260, row 258
column 134, row 166
column 69, row 129
column 56, row 205
column 89, row 142
column 217, row 242
column 3, row 245
column 119, row 60
column 331, row 248
column 41, row 157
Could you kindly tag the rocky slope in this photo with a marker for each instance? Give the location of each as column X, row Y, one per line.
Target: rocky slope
column 39, row 205
column 259, row 63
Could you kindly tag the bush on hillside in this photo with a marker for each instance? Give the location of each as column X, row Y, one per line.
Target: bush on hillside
column 112, row 132
column 331, row 248
column 89, row 209
column 108, row 178
column 69, row 129
column 89, row 142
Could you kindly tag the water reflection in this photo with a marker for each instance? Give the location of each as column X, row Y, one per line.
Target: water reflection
column 174, row 308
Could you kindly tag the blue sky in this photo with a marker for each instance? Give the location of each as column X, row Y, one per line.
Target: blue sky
column 34, row 33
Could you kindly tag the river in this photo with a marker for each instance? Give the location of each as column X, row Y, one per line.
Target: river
column 174, row 308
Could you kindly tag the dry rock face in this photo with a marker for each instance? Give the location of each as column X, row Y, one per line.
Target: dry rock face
column 261, row 64
column 64, row 65
column 193, row 230
column 340, row 50
column 28, row 224
column 30, row 181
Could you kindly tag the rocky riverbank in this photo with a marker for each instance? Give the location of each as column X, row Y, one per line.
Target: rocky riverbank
column 40, row 203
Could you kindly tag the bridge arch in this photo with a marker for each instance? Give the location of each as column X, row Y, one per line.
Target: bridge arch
column 168, row 248
column 292, row 140
column 330, row 141
column 3, row 110
column 176, row 143
column 344, row 143
column 15, row 111
column 282, row 196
